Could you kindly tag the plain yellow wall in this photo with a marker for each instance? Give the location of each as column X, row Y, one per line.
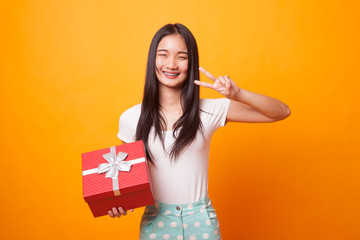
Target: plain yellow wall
column 70, row 68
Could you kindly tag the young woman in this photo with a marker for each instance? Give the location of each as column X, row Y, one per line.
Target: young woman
column 176, row 127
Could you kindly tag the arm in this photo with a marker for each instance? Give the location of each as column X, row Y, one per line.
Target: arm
column 246, row 106
column 254, row 107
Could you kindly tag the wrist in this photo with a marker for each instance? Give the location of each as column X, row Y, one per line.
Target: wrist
column 240, row 95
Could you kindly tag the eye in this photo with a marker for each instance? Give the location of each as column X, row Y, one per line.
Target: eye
column 162, row 54
column 182, row 57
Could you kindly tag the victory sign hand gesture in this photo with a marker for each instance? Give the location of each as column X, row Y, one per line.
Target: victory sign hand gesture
column 223, row 85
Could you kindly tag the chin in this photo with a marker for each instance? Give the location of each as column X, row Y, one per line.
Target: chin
column 170, row 83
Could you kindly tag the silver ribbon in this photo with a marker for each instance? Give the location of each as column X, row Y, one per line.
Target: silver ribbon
column 115, row 164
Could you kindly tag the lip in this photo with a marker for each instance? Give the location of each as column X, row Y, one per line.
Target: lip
column 171, row 72
column 171, row 77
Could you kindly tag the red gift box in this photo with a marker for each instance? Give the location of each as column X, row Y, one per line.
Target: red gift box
column 116, row 177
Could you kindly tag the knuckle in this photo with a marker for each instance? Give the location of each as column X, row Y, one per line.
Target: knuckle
column 114, row 210
column 121, row 210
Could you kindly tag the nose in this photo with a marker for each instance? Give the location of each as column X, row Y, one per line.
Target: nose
column 172, row 64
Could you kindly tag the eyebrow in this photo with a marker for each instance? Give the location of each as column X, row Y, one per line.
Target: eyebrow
column 167, row 51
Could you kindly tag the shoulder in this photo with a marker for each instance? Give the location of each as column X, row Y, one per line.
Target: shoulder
column 133, row 112
column 131, row 115
column 213, row 104
column 128, row 123
column 213, row 112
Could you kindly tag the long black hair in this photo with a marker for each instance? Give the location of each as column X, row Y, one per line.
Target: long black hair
column 186, row 127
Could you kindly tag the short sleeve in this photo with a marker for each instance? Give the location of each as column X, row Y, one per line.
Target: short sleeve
column 128, row 123
column 214, row 112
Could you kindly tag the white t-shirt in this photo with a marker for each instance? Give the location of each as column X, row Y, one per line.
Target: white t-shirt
column 185, row 179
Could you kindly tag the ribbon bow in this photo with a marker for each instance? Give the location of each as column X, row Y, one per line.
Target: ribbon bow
column 115, row 164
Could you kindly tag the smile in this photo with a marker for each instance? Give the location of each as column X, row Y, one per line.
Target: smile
column 171, row 74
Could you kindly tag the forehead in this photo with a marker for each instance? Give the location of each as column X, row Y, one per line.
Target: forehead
column 173, row 42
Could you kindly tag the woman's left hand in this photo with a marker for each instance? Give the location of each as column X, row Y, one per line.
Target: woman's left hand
column 223, row 85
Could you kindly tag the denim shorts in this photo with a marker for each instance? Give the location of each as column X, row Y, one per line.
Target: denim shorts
column 192, row 221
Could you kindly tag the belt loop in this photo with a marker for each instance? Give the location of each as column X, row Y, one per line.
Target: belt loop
column 204, row 200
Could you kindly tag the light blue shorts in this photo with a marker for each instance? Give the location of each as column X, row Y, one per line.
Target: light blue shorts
column 191, row 221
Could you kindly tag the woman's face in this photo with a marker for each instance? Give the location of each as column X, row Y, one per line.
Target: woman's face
column 172, row 61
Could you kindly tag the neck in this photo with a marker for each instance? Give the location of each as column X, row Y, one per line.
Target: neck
column 170, row 98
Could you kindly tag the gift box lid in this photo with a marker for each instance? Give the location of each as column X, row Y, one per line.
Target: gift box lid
column 96, row 186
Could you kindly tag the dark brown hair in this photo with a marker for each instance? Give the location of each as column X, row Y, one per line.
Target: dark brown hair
column 184, row 129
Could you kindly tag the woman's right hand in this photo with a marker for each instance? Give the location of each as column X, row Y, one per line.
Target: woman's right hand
column 117, row 212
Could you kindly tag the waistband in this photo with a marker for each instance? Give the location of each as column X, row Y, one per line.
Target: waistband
column 166, row 208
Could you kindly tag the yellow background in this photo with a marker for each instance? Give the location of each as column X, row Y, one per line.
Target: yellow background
column 70, row 68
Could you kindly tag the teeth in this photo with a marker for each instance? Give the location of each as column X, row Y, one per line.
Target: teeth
column 171, row 74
